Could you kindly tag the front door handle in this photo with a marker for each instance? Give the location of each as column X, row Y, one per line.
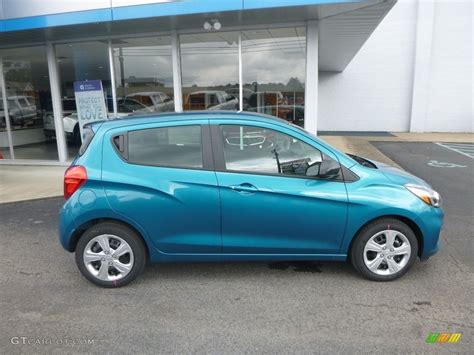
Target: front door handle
column 245, row 187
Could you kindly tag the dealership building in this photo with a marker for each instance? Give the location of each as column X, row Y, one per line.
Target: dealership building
column 326, row 65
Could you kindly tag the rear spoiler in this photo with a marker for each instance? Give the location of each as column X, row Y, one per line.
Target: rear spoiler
column 94, row 126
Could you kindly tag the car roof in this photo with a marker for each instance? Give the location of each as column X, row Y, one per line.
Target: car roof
column 206, row 92
column 186, row 116
column 146, row 93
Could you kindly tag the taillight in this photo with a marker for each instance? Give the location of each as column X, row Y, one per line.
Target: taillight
column 74, row 178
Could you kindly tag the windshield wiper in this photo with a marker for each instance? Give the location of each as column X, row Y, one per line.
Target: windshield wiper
column 275, row 153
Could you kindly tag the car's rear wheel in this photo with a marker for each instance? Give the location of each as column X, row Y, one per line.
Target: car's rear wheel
column 384, row 250
column 110, row 254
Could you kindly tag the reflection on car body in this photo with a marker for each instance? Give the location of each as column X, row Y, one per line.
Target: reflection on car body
column 246, row 140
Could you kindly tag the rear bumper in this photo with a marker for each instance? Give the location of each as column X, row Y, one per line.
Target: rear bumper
column 66, row 227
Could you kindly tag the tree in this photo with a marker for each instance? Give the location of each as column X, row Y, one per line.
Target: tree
column 295, row 84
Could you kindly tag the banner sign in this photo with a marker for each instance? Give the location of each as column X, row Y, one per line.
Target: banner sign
column 90, row 102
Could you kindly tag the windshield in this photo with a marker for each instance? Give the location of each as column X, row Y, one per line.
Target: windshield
column 157, row 98
column 325, row 142
column 130, row 106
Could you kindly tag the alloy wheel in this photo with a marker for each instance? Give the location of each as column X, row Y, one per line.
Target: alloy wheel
column 387, row 252
column 108, row 257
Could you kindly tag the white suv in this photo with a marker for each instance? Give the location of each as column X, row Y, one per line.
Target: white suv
column 125, row 107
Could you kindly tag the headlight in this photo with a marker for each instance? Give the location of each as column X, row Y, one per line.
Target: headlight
column 429, row 196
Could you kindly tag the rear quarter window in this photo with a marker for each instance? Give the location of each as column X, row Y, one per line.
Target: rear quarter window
column 179, row 147
column 87, row 135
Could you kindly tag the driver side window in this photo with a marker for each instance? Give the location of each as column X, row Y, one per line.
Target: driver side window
column 259, row 150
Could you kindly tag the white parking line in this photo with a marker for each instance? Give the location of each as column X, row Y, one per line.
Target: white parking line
column 465, row 149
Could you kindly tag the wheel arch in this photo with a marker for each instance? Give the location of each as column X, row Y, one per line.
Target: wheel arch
column 409, row 222
column 82, row 228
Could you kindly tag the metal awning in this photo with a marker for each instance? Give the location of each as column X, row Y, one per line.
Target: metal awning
column 344, row 25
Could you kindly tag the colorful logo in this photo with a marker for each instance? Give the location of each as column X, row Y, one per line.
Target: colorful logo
column 443, row 338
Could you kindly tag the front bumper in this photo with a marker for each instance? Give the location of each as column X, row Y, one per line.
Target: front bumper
column 426, row 255
column 431, row 224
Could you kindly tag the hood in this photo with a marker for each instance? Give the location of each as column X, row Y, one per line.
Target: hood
column 398, row 176
column 395, row 175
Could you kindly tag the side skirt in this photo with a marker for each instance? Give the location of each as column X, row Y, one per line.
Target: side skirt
column 158, row 257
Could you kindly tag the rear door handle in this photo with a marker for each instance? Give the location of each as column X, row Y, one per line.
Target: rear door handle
column 245, row 187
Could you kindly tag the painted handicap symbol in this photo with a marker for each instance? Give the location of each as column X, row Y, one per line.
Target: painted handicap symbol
column 439, row 164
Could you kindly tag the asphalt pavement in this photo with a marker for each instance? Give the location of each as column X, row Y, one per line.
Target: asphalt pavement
column 452, row 174
column 46, row 306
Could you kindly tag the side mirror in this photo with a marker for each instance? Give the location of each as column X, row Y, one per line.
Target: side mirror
column 329, row 169
column 313, row 170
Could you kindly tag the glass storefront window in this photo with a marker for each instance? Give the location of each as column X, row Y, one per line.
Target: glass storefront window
column 4, row 139
column 273, row 69
column 210, row 71
column 273, row 65
column 28, row 92
column 80, row 62
column 143, row 75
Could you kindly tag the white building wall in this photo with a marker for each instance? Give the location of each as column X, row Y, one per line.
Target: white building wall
column 450, row 90
column 375, row 92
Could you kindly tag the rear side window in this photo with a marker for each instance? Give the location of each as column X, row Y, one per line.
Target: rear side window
column 23, row 102
column 179, row 147
column 144, row 100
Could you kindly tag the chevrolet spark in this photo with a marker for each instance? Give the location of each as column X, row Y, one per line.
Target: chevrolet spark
column 220, row 186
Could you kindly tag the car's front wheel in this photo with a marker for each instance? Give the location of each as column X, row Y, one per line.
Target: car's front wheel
column 384, row 250
column 110, row 254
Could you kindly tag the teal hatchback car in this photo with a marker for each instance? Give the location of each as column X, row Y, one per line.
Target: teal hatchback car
column 221, row 186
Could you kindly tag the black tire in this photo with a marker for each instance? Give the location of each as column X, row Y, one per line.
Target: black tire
column 357, row 250
column 119, row 230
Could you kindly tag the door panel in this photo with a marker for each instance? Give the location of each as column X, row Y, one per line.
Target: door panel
column 282, row 215
column 179, row 208
column 269, row 205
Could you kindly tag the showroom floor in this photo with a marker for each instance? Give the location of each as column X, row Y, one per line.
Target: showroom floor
column 38, row 151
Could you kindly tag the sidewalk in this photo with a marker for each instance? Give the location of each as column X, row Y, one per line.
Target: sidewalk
column 360, row 145
column 19, row 183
